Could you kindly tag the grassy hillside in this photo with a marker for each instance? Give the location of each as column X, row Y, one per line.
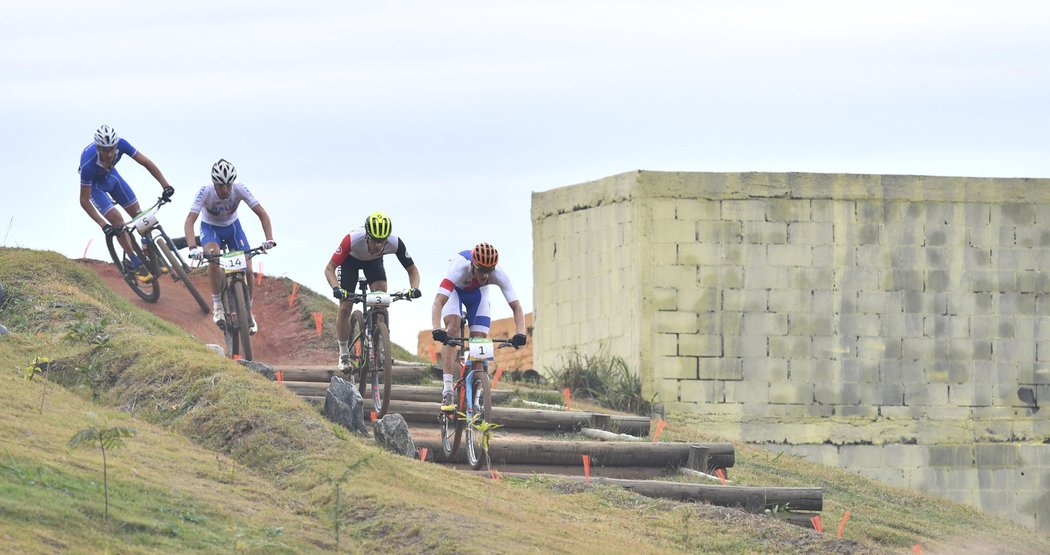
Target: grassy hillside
column 226, row 461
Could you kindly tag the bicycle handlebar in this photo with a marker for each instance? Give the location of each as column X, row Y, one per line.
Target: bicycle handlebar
column 460, row 341
column 396, row 296
column 250, row 253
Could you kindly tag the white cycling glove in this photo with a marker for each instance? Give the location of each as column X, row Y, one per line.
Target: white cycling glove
column 267, row 245
column 196, row 254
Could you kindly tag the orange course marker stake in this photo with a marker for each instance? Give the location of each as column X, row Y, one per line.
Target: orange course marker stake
column 568, row 399
column 721, row 475
column 373, row 416
column 842, row 525
column 86, row 247
column 318, row 318
column 817, row 524
column 495, row 474
column 291, row 298
column 236, row 357
column 660, row 425
column 423, row 454
column 495, row 379
column 917, row 549
column 258, row 275
column 586, row 467
column 280, row 376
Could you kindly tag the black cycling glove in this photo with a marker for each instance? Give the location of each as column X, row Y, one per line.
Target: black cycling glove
column 518, row 340
column 440, row 336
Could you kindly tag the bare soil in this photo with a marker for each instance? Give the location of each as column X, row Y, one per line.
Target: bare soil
column 284, row 336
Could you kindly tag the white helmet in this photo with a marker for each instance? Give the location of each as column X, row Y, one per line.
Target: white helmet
column 223, row 173
column 106, row 136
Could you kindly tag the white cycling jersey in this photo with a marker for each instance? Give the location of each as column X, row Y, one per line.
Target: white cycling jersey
column 221, row 211
column 459, row 276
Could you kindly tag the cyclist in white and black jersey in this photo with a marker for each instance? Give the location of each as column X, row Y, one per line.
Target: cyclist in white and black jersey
column 364, row 249
column 216, row 204
column 465, row 284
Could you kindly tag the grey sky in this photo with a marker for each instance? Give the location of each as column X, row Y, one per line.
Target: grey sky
column 448, row 115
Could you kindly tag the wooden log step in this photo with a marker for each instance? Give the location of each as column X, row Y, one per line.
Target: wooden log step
column 534, row 419
column 418, row 393
column 602, row 453
column 325, row 373
column 751, row 499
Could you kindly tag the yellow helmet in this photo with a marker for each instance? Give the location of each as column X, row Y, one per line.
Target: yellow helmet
column 378, row 226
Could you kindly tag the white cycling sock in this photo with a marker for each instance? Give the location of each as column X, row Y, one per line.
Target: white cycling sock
column 344, row 347
column 446, row 383
column 216, row 300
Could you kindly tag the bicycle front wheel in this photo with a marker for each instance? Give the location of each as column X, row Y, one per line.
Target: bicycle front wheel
column 241, row 319
column 381, row 371
column 451, row 432
column 175, row 265
column 478, row 434
column 149, row 292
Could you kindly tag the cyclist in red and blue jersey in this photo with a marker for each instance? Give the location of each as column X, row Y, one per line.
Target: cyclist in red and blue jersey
column 364, row 249
column 465, row 285
column 101, row 185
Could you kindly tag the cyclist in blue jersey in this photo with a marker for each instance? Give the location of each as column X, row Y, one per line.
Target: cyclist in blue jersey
column 101, row 186
column 466, row 285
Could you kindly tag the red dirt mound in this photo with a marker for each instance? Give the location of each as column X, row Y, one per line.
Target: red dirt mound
column 283, row 338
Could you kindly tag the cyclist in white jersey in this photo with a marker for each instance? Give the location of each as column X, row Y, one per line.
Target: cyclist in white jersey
column 364, row 249
column 465, row 284
column 217, row 206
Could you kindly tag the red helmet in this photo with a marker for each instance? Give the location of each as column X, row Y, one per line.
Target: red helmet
column 484, row 256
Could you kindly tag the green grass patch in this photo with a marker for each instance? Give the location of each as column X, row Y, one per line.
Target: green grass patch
column 226, row 461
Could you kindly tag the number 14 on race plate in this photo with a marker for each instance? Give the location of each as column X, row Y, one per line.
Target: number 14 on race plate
column 233, row 262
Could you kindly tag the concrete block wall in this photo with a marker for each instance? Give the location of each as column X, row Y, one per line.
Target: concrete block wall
column 802, row 309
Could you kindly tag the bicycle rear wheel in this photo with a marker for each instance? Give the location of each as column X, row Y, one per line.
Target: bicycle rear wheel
column 477, row 444
column 149, row 292
column 169, row 258
column 240, row 319
column 382, row 370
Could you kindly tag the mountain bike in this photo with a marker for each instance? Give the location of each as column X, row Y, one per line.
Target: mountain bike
column 370, row 352
column 236, row 300
column 473, row 385
column 160, row 254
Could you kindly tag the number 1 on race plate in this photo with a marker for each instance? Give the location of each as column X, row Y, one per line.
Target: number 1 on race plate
column 481, row 348
column 233, row 262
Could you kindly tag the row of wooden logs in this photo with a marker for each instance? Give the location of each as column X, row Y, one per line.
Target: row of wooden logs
column 418, row 404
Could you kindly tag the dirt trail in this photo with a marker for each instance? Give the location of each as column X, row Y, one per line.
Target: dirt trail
column 283, row 338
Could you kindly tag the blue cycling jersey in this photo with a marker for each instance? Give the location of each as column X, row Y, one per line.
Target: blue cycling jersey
column 92, row 173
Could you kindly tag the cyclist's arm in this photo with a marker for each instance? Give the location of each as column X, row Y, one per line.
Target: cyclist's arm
column 151, row 167
column 329, row 274
column 519, row 316
column 264, row 219
column 85, row 203
column 413, row 277
column 435, row 313
column 187, row 228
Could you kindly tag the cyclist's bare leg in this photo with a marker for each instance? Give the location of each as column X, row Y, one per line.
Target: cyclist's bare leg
column 449, row 361
column 342, row 321
column 214, row 273
column 114, row 218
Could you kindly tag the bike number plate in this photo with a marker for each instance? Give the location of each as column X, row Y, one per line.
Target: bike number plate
column 145, row 221
column 233, row 262
column 481, row 349
column 377, row 298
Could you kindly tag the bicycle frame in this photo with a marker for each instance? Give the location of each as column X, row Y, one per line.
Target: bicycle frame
column 474, row 399
column 370, row 343
column 236, row 300
column 160, row 251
